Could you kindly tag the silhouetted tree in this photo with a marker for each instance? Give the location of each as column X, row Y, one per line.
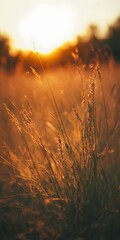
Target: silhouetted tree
column 8, row 61
column 113, row 39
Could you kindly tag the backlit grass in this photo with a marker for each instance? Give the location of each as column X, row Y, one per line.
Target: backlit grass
column 59, row 154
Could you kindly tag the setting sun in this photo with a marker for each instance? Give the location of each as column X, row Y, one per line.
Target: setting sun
column 47, row 27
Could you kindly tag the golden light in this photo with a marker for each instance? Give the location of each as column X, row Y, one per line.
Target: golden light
column 48, row 27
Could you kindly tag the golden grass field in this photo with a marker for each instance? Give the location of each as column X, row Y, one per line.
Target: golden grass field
column 59, row 153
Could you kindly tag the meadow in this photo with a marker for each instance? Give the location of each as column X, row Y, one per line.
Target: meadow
column 59, row 153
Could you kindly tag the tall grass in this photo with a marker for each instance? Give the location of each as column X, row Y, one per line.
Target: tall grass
column 59, row 168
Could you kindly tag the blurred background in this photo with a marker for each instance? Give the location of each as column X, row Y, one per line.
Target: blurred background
column 54, row 29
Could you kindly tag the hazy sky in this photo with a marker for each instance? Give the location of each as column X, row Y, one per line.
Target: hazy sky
column 101, row 12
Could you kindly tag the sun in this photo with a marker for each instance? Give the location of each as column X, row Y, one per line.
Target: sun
column 47, row 27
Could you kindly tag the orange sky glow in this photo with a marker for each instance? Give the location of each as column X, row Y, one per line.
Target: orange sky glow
column 48, row 24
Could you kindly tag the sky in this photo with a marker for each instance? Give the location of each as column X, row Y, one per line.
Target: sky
column 53, row 22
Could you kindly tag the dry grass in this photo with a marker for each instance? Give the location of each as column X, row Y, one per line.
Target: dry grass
column 59, row 154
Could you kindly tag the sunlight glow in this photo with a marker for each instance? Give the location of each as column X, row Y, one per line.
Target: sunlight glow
column 47, row 27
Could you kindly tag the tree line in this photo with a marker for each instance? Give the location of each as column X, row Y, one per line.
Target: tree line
column 87, row 49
